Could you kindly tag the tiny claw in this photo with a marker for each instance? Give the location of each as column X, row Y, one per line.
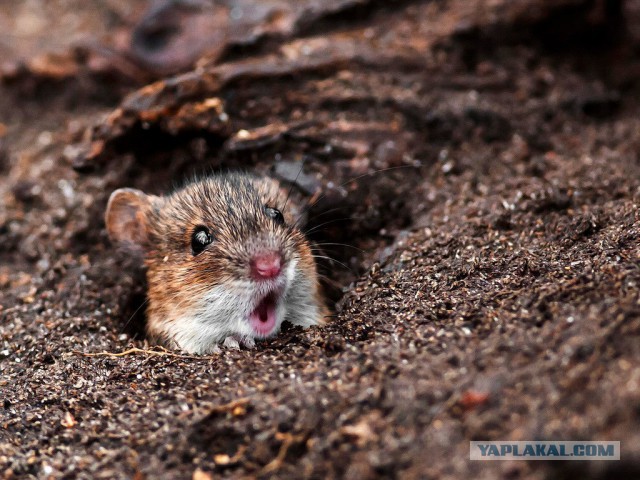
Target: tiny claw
column 231, row 342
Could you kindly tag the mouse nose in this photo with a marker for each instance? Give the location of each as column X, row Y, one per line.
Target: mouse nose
column 266, row 265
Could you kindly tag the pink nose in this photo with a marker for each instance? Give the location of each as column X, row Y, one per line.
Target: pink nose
column 266, row 265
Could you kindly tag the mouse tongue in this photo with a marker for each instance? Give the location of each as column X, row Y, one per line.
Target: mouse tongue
column 263, row 318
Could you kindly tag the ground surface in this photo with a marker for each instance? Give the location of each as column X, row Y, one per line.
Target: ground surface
column 495, row 292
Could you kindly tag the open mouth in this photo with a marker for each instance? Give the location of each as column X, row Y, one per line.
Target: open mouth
column 263, row 318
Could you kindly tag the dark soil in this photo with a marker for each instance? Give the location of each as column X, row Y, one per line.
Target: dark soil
column 481, row 157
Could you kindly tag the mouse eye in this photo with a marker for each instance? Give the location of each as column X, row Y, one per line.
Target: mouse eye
column 275, row 214
column 200, row 239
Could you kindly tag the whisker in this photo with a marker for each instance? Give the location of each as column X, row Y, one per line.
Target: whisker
column 351, row 181
column 329, row 222
column 321, row 214
column 334, row 283
column 333, row 260
column 330, row 280
column 304, row 159
column 124, row 327
column 330, row 244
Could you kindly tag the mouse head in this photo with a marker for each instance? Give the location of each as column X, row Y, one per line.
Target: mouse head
column 223, row 260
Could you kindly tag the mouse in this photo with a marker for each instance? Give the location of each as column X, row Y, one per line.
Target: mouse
column 226, row 261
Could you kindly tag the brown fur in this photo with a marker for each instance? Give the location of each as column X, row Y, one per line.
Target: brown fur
column 232, row 208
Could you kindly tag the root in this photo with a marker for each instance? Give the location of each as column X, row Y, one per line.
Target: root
column 133, row 351
column 287, row 440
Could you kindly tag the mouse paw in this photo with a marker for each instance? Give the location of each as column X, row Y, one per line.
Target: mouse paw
column 248, row 342
column 231, row 342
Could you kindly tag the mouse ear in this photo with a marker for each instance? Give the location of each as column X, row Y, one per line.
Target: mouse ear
column 127, row 218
